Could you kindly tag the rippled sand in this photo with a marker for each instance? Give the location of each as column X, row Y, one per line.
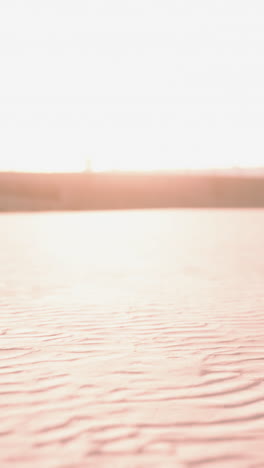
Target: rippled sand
column 132, row 340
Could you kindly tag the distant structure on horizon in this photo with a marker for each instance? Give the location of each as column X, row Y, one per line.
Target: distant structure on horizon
column 88, row 166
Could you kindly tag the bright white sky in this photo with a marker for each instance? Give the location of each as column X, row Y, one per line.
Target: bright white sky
column 131, row 84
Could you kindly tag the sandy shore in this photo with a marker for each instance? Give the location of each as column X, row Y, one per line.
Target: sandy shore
column 132, row 340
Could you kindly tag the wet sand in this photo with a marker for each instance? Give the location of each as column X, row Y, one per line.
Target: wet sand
column 132, row 340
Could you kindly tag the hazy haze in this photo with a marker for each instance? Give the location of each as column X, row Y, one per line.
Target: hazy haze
column 142, row 84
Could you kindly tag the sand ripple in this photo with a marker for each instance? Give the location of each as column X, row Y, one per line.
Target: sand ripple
column 132, row 340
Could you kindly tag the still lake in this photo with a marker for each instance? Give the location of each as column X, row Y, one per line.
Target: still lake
column 132, row 339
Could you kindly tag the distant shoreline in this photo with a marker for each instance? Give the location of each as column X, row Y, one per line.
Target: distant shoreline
column 123, row 190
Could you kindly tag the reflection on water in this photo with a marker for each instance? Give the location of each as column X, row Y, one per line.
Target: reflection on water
column 132, row 339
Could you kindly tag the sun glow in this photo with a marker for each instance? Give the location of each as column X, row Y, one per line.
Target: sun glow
column 139, row 85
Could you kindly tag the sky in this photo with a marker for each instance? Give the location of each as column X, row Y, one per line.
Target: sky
column 140, row 84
